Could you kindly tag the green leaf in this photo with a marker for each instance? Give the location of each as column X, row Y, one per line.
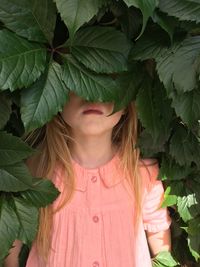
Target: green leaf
column 5, row 110
column 182, row 9
column 188, row 199
column 172, row 171
column 177, row 66
column 129, row 84
column 101, row 49
column 28, row 220
column 20, row 64
column 9, row 226
column 146, row 110
column 148, row 146
column 77, row 12
column 86, row 84
column 130, row 19
column 42, row 193
column 147, row 8
column 44, row 99
column 14, row 178
column 154, row 110
column 165, row 259
column 187, row 106
column 185, row 67
column 12, row 149
column 151, row 44
column 169, row 200
column 194, row 226
column 33, row 19
column 177, row 188
column 194, row 237
column 184, row 204
column 166, row 23
column 165, row 67
column 184, row 147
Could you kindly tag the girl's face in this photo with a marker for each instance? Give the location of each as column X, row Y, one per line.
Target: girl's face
column 89, row 118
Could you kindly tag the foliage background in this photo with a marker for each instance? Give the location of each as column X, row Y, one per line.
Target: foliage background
column 104, row 50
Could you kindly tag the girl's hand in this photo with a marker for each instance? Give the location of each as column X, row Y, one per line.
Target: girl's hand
column 159, row 241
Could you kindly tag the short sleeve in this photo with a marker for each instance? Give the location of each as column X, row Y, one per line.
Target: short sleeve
column 154, row 217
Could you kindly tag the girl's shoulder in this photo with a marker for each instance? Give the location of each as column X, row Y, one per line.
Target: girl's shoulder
column 149, row 170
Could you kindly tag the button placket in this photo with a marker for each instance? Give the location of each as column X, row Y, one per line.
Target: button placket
column 96, row 228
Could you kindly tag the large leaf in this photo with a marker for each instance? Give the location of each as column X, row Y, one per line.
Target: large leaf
column 20, row 64
column 154, row 110
column 33, row 19
column 185, row 68
column 42, row 193
column 182, row 9
column 156, row 115
column 9, row 226
column 75, row 13
column 44, row 99
column 147, row 8
column 5, row 110
column 15, row 178
column 101, row 49
column 177, row 66
column 27, row 216
column 184, row 147
column 165, row 68
column 86, row 84
column 187, row 106
column 12, row 149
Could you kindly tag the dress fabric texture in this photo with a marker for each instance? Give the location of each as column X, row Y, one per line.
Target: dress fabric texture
column 96, row 228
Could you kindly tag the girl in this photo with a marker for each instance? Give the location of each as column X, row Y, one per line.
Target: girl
column 108, row 212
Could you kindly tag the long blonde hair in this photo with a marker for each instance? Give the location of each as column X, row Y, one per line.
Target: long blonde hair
column 53, row 140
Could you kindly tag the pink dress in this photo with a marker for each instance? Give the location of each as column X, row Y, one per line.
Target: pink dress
column 96, row 229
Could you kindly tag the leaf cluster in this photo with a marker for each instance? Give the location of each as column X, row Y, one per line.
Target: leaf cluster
column 108, row 51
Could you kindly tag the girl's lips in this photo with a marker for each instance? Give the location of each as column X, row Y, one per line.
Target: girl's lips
column 93, row 108
column 92, row 111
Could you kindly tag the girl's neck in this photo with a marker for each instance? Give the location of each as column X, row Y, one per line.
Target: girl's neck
column 92, row 152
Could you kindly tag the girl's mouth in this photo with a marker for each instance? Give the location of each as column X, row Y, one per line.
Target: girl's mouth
column 92, row 111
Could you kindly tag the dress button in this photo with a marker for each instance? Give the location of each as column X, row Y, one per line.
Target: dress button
column 94, row 179
column 95, row 264
column 95, row 218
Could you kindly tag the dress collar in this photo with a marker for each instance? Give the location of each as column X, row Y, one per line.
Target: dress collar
column 110, row 173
